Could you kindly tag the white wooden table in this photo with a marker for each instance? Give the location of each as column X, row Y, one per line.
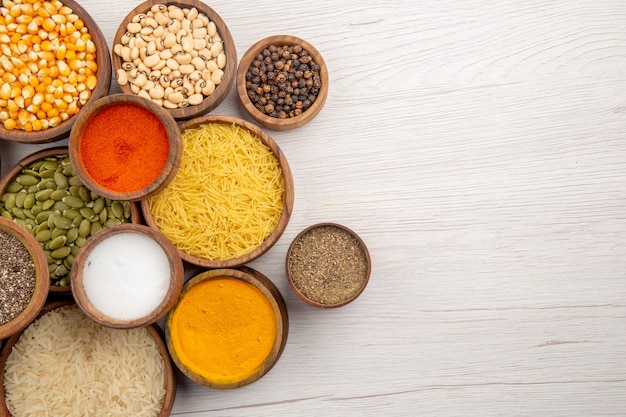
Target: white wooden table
column 479, row 149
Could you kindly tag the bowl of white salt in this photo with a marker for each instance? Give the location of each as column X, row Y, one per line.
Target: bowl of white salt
column 127, row 276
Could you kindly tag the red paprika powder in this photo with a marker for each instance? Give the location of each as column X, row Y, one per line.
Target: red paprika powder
column 124, row 147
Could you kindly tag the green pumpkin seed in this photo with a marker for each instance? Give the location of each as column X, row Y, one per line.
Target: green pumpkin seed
column 29, row 216
column 77, row 220
column 41, row 227
column 78, row 244
column 57, row 195
column 19, row 198
column 75, row 181
column 10, row 202
column 19, row 213
column 61, row 271
column 47, row 205
column 51, row 218
column 60, row 180
column 29, row 201
column 43, row 236
column 58, row 242
column 43, row 195
column 73, row 201
column 32, row 172
column 95, row 228
column 56, row 232
column 87, row 213
column 27, row 180
column 14, row 187
column 71, row 213
column 61, row 252
column 84, row 194
column 72, row 234
column 103, row 215
column 117, row 209
column 69, row 261
column 98, row 205
column 84, row 228
column 43, row 216
column 127, row 211
column 112, row 222
column 47, row 173
column 62, row 223
column 51, row 164
column 7, row 215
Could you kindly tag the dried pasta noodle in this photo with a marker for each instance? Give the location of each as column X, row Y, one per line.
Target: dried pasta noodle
column 66, row 365
column 227, row 195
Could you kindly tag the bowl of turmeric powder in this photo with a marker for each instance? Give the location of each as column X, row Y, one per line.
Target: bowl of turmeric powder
column 228, row 328
column 125, row 147
column 58, row 65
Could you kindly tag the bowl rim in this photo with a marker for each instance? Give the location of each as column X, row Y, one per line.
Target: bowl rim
column 264, row 119
column 103, row 60
column 221, row 90
column 153, row 329
column 173, row 134
column 288, row 198
column 173, row 292
column 281, row 315
column 8, row 176
column 42, row 280
column 352, row 233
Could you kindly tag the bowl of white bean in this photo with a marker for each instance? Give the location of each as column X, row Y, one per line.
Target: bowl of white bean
column 179, row 54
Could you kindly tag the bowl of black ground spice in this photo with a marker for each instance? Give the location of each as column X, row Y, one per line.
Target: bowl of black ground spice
column 282, row 82
column 24, row 282
column 328, row 265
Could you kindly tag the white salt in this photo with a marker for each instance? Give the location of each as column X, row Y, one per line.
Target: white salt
column 126, row 276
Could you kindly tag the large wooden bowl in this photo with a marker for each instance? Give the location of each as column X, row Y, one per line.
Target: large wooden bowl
column 168, row 301
column 14, row 171
column 276, row 123
column 42, row 281
column 154, row 330
column 279, row 308
column 173, row 135
column 222, row 89
column 288, row 198
column 103, row 74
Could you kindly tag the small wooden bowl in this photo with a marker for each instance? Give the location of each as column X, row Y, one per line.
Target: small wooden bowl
column 42, row 281
column 288, row 196
column 328, row 277
column 167, row 302
column 279, row 308
column 154, row 330
column 13, row 172
column 168, row 122
column 103, row 73
column 266, row 120
column 221, row 91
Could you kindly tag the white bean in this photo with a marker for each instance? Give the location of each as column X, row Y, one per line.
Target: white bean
column 122, row 77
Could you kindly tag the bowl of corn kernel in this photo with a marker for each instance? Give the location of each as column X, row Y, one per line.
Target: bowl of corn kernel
column 55, row 60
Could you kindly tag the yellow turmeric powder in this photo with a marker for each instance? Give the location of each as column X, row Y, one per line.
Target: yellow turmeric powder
column 223, row 329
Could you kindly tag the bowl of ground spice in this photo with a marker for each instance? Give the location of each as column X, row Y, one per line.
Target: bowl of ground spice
column 282, row 82
column 52, row 66
column 127, row 276
column 179, row 54
column 42, row 194
column 228, row 329
column 65, row 364
column 23, row 278
column 125, row 147
column 231, row 198
column 328, row 265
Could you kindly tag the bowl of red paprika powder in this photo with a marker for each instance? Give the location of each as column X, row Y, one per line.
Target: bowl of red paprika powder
column 125, row 147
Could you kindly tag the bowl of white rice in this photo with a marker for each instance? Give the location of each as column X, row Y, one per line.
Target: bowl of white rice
column 65, row 364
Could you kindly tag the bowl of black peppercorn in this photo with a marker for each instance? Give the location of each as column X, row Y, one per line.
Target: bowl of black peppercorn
column 282, row 82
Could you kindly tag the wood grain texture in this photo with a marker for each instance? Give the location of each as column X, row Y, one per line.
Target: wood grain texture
column 478, row 149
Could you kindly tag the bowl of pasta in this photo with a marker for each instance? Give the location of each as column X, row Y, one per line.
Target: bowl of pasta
column 231, row 198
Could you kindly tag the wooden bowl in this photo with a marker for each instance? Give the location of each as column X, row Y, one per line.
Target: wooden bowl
column 26, row 162
column 103, row 74
column 211, row 100
column 154, row 330
column 111, row 144
column 274, row 121
column 278, row 310
column 42, row 282
column 288, row 197
column 328, row 265
column 128, row 281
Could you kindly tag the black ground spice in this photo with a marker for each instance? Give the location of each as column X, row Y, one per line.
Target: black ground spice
column 283, row 81
column 17, row 277
column 328, row 265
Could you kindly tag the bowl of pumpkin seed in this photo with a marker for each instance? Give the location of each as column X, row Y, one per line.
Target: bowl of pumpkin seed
column 42, row 193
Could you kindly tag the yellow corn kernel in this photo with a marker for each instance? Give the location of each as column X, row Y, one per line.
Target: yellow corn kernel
column 23, row 116
column 58, row 18
column 15, row 10
column 32, row 28
column 28, row 92
column 12, row 107
column 58, row 93
column 38, row 99
column 15, row 38
column 50, row 8
column 3, row 103
column 68, row 98
column 10, row 124
column 80, row 45
column 8, row 77
column 45, row 106
column 64, row 69
column 41, row 11
column 56, row 83
column 47, row 56
column 28, row 127
column 37, row 125
column 79, row 24
column 60, row 104
column 41, row 88
column 92, row 81
column 22, row 28
column 19, row 100
column 41, row 114
column 48, row 24
column 72, row 108
column 15, row 90
column 4, row 38
column 54, row 71
column 43, row 34
column 55, row 121
column 76, row 64
column 46, row 46
column 23, row 18
column 92, row 66
column 4, row 115
column 5, row 91
column 32, row 109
